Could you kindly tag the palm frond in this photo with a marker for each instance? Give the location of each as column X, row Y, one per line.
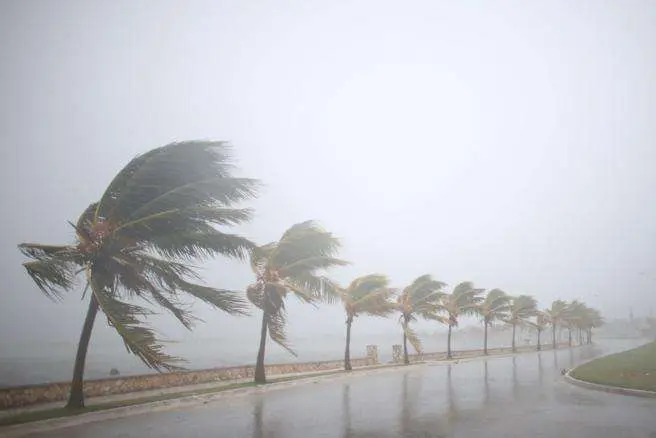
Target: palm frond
column 260, row 256
column 219, row 190
column 276, row 323
column 255, row 294
column 190, row 245
column 226, row 300
column 375, row 302
column 175, row 176
column 363, row 286
column 314, row 287
column 139, row 339
column 310, row 265
column 413, row 338
column 54, row 267
column 52, row 276
column 303, row 241
column 177, row 309
column 433, row 316
column 522, row 307
column 497, row 300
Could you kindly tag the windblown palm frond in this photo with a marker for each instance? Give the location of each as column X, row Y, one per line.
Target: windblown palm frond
column 522, row 308
column 495, row 306
column 464, row 300
column 413, row 338
column 557, row 312
column 420, row 298
column 369, row 294
column 158, row 214
column 293, row 265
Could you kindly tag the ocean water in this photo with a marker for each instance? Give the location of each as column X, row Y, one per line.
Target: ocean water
column 53, row 361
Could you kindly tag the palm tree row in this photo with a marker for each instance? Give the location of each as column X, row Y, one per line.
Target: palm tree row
column 135, row 248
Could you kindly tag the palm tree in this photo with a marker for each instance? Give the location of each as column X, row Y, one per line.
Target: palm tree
column 521, row 309
column 419, row 299
column 584, row 319
column 593, row 319
column 464, row 300
column 557, row 314
column 541, row 323
column 576, row 312
column 369, row 295
column 494, row 307
column 156, row 216
column 290, row 265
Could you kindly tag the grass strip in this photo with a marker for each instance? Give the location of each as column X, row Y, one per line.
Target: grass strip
column 635, row 369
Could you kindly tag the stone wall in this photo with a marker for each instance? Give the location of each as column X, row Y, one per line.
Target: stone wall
column 396, row 350
column 20, row 396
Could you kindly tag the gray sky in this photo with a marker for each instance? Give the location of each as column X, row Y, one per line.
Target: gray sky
column 507, row 143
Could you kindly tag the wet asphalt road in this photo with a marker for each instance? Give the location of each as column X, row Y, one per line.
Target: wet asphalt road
column 522, row 396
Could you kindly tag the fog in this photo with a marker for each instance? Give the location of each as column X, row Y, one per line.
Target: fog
column 508, row 143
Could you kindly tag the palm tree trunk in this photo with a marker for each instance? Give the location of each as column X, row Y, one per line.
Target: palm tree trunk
column 514, row 348
column 553, row 333
column 347, row 352
column 76, row 397
column 448, row 344
column 485, row 340
column 539, row 346
column 589, row 336
column 260, row 375
column 406, row 359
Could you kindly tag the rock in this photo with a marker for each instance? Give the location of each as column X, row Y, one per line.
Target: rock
column 114, row 372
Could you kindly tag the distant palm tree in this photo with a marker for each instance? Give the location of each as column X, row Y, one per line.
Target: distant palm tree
column 418, row 299
column 557, row 314
column 464, row 300
column 291, row 264
column 541, row 322
column 593, row 319
column 157, row 215
column 576, row 312
column 368, row 295
column 494, row 307
column 521, row 309
column 583, row 319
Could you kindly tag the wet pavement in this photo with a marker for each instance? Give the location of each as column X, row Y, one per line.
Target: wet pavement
column 521, row 396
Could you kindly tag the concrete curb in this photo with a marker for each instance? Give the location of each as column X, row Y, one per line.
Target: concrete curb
column 609, row 389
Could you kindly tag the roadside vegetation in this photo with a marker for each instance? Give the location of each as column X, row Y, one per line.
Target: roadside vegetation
column 136, row 247
column 635, row 369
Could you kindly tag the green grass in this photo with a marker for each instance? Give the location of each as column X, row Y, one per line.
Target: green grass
column 47, row 414
column 635, row 369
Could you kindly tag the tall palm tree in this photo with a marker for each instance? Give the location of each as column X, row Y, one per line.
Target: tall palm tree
column 557, row 314
column 464, row 300
column 157, row 215
column 521, row 309
column 419, row 299
column 368, row 295
column 494, row 307
column 541, row 322
column 291, row 264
